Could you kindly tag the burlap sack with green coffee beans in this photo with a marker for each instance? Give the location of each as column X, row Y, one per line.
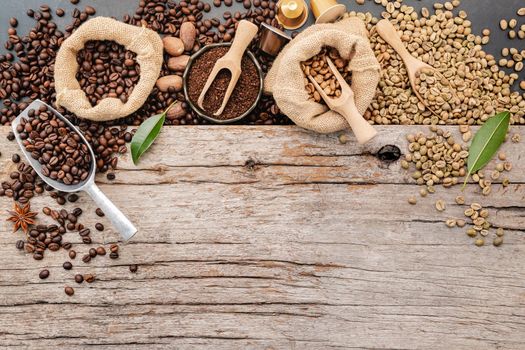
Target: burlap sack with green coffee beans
column 146, row 43
column 285, row 81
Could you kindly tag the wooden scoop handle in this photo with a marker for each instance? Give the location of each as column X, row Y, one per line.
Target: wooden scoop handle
column 363, row 131
column 244, row 34
column 389, row 34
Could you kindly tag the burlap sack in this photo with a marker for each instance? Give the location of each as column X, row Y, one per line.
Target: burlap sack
column 144, row 42
column 286, row 79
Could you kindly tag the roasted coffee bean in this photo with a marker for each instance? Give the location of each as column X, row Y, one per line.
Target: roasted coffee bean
column 92, row 252
column 74, row 2
column 111, row 176
column 89, row 278
column 60, row 12
column 20, row 244
column 86, row 258
column 67, row 265
column 86, row 240
column 113, row 255
column 43, row 274
column 99, row 212
column 99, row 226
column 79, row 278
column 77, row 212
column 84, row 232
column 63, row 155
column 15, row 158
column 65, row 245
column 133, row 268
column 72, row 254
column 72, row 198
column 113, row 248
column 69, row 291
column 101, row 251
column 13, row 22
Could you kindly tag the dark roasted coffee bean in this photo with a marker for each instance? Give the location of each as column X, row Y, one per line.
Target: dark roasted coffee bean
column 99, row 226
column 20, row 244
column 13, row 22
column 74, row 2
column 66, row 245
column 86, row 258
column 15, row 158
column 43, row 274
column 92, row 252
column 113, row 248
column 111, row 176
column 113, row 255
column 79, row 278
column 77, row 212
column 60, row 12
column 69, row 291
column 99, row 212
column 86, row 240
column 67, row 265
column 72, row 198
column 84, row 232
column 133, row 268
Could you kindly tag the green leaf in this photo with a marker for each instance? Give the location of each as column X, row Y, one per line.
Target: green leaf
column 486, row 142
column 146, row 135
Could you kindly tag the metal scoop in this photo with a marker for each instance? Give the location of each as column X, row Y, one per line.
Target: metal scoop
column 244, row 34
column 119, row 220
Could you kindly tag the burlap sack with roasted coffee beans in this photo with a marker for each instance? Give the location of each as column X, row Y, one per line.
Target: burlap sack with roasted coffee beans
column 286, row 79
column 144, row 42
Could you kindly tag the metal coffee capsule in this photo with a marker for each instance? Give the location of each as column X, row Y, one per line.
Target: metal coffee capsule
column 327, row 11
column 272, row 39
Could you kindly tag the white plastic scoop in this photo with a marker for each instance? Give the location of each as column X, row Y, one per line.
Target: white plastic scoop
column 119, row 220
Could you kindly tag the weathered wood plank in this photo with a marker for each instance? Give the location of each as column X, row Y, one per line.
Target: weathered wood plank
column 312, row 245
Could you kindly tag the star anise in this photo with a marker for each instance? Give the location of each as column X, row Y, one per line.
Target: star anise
column 22, row 217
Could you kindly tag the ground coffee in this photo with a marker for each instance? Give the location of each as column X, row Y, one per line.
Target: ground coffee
column 244, row 95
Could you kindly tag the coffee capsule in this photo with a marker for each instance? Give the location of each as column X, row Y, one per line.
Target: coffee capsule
column 272, row 39
column 327, row 11
column 292, row 14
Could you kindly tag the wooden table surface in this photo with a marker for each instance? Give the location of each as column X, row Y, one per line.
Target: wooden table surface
column 274, row 238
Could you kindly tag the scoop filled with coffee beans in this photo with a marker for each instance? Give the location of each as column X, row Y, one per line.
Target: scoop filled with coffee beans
column 63, row 158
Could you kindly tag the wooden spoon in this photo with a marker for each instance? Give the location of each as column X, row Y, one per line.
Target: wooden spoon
column 414, row 66
column 244, row 34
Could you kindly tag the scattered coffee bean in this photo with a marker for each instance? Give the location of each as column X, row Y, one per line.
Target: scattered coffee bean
column 15, row 158
column 99, row 226
column 69, row 291
column 114, row 248
column 99, row 212
column 67, row 265
column 113, row 255
column 20, row 244
column 72, row 254
column 79, row 278
column 86, row 258
column 43, row 274
column 92, row 252
column 89, row 278
column 101, row 251
column 133, row 268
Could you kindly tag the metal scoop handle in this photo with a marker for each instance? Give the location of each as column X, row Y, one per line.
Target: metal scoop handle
column 117, row 218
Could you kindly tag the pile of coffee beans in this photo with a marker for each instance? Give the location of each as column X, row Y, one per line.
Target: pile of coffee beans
column 64, row 156
column 107, row 69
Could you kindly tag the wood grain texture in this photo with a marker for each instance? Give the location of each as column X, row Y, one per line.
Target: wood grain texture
column 274, row 238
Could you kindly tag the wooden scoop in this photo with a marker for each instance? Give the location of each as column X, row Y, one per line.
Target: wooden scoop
column 345, row 105
column 414, row 66
column 244, row 34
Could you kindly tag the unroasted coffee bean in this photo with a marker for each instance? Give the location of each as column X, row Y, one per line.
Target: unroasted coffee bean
column 43, row 274
column 79, row 278
column 69, row 291
column 67, row 265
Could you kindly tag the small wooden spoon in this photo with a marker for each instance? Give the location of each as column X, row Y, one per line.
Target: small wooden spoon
column 244, row 34
column 414, row 66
